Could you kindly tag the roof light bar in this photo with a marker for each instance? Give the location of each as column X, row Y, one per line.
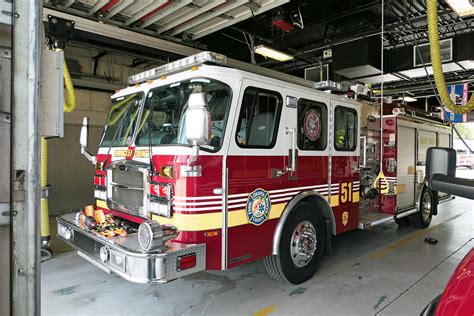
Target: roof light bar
column 178, row 65
column 462, row 7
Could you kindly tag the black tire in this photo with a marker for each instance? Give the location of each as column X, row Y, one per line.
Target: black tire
column 422, row 218
column 282, row 267
column 404, row 221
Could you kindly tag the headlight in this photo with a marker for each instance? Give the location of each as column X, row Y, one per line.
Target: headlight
column 103, row 254
column 159, row 208
column 65, row 232
column 150, row 235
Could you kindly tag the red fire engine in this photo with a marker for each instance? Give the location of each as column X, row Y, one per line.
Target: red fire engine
column 203, row 165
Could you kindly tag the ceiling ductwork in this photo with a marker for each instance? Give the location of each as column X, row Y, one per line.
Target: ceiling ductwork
column 360, row 60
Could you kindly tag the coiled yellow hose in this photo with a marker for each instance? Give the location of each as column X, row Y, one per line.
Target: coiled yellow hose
column 70, row 96
column 433, row 32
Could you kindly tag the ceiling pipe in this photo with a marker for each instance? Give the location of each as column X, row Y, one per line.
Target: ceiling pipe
column 97, row 6
column 161, row 7
column 223, row 8
column 122, row 5
column 109, row 5
column 161, row 12
column 188, row 17
column 137, row 16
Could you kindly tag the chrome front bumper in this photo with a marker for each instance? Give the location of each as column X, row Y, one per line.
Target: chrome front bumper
column 124, row 256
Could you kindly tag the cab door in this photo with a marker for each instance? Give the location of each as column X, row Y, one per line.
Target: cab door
column 344, row 174
column 257, row 147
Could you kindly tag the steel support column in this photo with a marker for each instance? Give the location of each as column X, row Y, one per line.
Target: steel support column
column 26, row 63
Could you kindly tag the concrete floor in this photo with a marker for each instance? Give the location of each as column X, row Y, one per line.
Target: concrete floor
column 385, row 271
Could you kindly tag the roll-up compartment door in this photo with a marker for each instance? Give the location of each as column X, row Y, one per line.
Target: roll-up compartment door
column 426, row 139
column 444, row 140
column 406, row 167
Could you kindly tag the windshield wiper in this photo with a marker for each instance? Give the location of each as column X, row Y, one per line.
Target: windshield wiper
column 119, row 128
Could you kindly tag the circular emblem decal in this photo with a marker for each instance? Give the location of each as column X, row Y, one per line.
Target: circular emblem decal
column 345, row 218
column 312, row 125
column 258, row 206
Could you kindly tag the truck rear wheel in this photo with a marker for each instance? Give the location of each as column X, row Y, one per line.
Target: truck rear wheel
column 422, row 218
column 301, row 246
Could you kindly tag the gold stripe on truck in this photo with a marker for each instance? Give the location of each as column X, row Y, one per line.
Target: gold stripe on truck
column 207, row 221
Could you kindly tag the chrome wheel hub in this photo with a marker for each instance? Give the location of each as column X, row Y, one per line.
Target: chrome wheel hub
column 426, row 206
column 303, row 244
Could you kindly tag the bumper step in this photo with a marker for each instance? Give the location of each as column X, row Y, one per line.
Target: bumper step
column 125, row 257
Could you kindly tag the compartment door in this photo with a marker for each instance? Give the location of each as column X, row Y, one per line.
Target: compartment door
column 406, row 167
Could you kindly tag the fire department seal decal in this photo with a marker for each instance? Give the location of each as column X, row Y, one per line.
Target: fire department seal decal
column 345, row 218
column 258, row 206
column 312, row 125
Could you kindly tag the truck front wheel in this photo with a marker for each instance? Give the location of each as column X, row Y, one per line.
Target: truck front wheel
column 301, row 246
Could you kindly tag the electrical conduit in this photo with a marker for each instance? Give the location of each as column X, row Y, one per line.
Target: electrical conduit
column 433, row 32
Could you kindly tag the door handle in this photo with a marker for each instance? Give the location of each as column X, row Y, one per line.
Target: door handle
column 292, row 167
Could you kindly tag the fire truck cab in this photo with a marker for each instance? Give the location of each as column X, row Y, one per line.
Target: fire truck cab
column 211, row 167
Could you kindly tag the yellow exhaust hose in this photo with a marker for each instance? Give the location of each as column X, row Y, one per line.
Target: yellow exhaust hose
column 45, row 230
column 433, row 32
column 70, row 96
column 68, row 106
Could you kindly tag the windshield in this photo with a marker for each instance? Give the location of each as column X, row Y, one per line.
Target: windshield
column 122, row 120
column 167, row 105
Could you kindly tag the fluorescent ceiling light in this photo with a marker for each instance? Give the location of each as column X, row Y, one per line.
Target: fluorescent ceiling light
column 462, row 7
column 272, row 53
column 407, row 99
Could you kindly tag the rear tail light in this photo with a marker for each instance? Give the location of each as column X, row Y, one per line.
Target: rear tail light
column 186, row 262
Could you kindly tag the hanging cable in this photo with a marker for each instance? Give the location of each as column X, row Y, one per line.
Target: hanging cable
column 381, row 85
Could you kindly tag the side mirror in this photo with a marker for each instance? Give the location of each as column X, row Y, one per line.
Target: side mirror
column 441, row 173
column 84, row 132
column 83, row 138
column 198, row 123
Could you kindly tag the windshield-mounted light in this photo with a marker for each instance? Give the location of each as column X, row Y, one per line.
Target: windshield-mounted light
column 177, row 66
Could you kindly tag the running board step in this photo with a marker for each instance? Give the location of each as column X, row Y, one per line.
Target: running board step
column 367, row 221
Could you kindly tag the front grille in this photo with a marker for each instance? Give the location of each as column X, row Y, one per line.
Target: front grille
column 128, row 177
column 126, row 191
column 128, row 199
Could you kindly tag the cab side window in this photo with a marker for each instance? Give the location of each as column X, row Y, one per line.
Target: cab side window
column 312, row 125
column 345, row 129
column 259, row 117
